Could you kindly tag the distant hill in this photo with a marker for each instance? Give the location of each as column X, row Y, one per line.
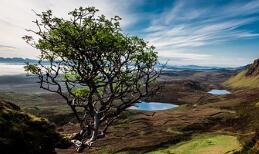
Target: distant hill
column 167, row 68
column 17, row 60
column 197, row 68
column 248, row 77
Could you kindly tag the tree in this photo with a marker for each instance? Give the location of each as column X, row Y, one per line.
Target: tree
column 97, row 69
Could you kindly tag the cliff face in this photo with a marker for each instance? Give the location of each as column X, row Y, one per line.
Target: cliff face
column 253, row 69
column 22, row 133
column 247, row 78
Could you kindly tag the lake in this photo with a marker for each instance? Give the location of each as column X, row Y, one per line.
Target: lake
column 152, row 106
column 218, row 92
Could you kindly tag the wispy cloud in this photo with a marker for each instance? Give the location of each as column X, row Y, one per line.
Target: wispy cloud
column 187, row 25
column 6, row 47
column 190, row 35
column 180, row 57
column 179, row 30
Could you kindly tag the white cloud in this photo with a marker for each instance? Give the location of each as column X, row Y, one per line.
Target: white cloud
column 177, row 32
column 183, row 55
column 195, row 58
column 16, row 16
column 180, row 57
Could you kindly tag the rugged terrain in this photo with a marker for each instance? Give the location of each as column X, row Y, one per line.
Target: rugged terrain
column 22, row 132
column 200, row 118
column 247, row 78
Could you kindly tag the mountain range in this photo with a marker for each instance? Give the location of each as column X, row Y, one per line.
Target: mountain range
column 17, row 60
column 168, row 67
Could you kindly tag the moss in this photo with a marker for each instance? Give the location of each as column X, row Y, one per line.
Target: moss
column 25, row 133
column 183, row 108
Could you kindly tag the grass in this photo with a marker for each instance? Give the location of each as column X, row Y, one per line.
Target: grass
column 242, row 81
column 204, row 144
column 47, row 105
column 183, row 108
column 26, row 132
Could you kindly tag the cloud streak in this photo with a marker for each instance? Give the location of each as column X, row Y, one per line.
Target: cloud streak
column 187, row 26
column 179, row 30
column 6, row 47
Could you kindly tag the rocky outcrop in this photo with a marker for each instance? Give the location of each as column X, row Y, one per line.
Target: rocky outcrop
column 253, row 69
column 255, row 140
column 247, row 78
column 252, row 146
column 24, row 133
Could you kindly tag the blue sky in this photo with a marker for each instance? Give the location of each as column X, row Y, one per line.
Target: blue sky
column 200, row 32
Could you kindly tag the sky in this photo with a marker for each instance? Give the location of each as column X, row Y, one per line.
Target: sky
column 184, row 32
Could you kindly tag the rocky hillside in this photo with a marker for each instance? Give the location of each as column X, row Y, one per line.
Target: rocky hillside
column 247, row 78
column 253, row 70
column 252, row 146
column 25, row 133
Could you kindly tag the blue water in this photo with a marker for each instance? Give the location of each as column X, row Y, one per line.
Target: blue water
column 152, row 106
column 218, row 92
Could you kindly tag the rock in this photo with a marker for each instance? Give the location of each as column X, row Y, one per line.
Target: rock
column 253, row 69
column 247, row 78
column 255, row 148
column 252, row 146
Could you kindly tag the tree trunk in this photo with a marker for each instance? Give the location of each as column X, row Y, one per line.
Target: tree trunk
column 94, row 133
column 79, row 141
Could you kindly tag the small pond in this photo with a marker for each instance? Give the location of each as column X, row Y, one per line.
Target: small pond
column 218, row 92
column 152, row 106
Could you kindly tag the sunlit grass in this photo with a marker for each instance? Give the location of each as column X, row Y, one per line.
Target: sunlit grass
column 204, row 144
column 242, row 81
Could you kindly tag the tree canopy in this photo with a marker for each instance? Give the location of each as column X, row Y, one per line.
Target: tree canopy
column 93, row 65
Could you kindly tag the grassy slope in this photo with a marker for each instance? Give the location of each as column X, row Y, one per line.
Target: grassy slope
column 204, row 144
column 49, row 106
column 22, row 132
column 242, row 81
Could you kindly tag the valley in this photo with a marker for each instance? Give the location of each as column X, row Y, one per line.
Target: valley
column 199, row 113
column 129, row 77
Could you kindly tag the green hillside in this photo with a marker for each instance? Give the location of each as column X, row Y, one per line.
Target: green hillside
column 248, row 78
column 25, row 133
column 242, row 81
column 204, row 144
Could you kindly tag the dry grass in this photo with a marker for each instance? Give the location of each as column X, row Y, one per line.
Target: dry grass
column 242, row 81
